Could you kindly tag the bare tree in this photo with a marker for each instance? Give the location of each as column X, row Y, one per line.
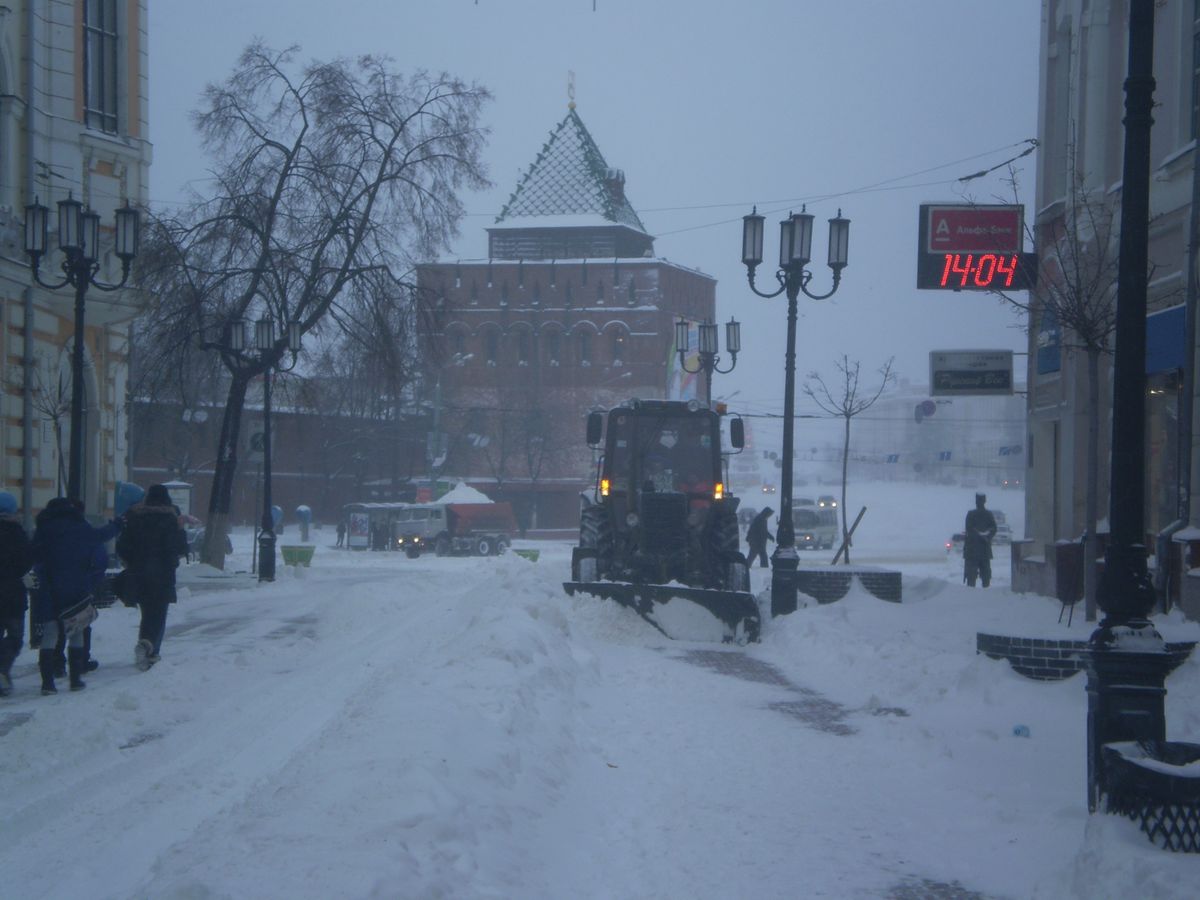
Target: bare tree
column 1075, row 297
column 846, row 400
column 330, row 180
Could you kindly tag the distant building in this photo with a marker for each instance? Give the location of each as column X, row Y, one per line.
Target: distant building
column 570, row 312
column 73, row 122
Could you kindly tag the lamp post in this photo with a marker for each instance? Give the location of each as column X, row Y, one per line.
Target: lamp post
column 1127, row 659
column 795, row 252
column 268, row 355
column 708, row 349
column 79, row 241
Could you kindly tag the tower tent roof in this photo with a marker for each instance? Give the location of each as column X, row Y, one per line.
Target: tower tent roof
column 571, row 178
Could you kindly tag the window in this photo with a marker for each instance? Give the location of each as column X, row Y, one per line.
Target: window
column 618, row 348
column 585, row 348
column 522, row 348
column 492, row 345
column 100, row 64
column 553, row 347
column 600, row 290
column 458, row 343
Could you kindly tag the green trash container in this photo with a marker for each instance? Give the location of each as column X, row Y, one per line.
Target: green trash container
column 297, row 555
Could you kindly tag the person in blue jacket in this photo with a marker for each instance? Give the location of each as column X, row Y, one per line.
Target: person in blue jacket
column 69, row 558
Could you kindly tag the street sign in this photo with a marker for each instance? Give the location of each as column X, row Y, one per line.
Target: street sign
column 970, row 372
column 969, row 247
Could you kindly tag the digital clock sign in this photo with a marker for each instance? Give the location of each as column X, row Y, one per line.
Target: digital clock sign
column 973, row 248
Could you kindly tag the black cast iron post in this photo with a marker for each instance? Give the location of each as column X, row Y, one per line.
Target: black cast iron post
column 708, row 359
column 795, row 245
column 1127, row 659
column 266, row 534
column 79, row 239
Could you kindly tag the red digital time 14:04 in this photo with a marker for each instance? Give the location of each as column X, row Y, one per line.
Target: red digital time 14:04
column 985, row 270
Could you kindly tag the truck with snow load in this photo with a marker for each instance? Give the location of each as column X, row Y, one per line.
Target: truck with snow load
column 454, row 529
column 659, row 524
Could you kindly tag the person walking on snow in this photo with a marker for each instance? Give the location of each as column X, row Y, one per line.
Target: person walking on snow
column 151, row 545
column 69, row 558
column 978, row 532
column 757, row 537
column 341, row 533
column 16, row 558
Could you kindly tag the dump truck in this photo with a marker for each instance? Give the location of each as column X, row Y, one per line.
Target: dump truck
column 454, row 529
column 659, row 525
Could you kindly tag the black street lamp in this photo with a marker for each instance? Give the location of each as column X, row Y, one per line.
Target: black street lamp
column 79, row 241
column 269, row 356
column 708, row 349
column 795, row 252
column 1127, row 658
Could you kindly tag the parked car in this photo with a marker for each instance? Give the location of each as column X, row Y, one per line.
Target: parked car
column 955, row 544
column 816, row 529
column 1003, row 535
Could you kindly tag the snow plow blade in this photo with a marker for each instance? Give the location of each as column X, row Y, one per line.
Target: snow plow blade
column 737, row 609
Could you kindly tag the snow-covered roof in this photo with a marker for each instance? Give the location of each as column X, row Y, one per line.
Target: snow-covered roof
column 570, row 178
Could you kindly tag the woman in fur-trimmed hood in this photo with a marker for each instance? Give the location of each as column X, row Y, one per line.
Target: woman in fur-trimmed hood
column 151, row 545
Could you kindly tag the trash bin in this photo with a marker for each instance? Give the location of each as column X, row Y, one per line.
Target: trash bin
column 1068, row 571
column 294, row 555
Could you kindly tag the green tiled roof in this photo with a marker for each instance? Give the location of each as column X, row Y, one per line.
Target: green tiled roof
column 570, row 178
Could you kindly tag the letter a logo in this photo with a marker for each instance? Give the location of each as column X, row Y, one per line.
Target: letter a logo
column 942, row 231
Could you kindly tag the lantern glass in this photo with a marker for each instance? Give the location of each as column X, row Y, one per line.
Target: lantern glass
column 294, row 336
column 37, row 218
column 708, row 337
column 802, row 224
column 839, row 241
column 237, row 335
column 90, row 235
column 752, row 238
column 128, row 232
column 70, row 214
column 785, row 243
column 733, row 336
column 264, row 334
column 682, row 336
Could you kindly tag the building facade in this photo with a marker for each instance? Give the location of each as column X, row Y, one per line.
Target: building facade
column 570, row 312
column 1084, row 54
column 73, row 123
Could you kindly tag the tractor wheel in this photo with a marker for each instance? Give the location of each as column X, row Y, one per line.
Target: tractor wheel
column 412, row 551
column 483, row 546
column 595, row 533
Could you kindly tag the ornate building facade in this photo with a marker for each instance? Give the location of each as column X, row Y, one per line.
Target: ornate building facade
column 570, row 312
column 1084, row 54
column 73, row 122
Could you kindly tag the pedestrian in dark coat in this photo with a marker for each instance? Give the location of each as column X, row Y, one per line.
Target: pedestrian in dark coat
column 16, row 558
column 151, row 545
column 69, row 559
column 757, row 537
column 978, row 532
column 341, row 533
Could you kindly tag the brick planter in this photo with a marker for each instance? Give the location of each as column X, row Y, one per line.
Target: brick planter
column 828, row 585
column 1047, row 659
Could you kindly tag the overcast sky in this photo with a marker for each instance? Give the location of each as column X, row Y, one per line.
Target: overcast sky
column 873, row 106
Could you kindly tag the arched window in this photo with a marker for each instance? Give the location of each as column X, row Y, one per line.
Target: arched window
column 491, row 346
column 618, row 347
column 585, row 348
column 523, row 347
column 553, row 348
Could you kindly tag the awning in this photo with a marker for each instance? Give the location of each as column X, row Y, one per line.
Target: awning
column 1165, row 340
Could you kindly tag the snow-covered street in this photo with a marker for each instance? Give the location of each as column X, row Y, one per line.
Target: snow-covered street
column 383, row 727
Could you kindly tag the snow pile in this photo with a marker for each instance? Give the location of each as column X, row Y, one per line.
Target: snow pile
column 464, row 493
column 381, row 727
